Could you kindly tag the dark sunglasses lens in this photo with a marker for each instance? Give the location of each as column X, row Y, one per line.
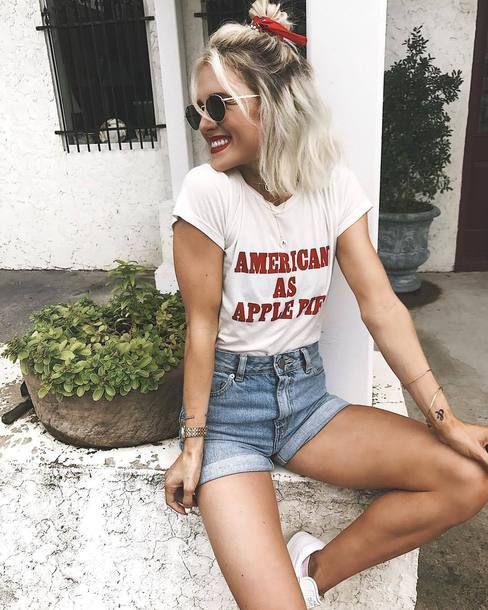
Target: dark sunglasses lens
column 215, row 107
column 192, row 117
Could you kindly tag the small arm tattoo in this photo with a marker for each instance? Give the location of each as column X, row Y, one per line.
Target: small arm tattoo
column 440, row 414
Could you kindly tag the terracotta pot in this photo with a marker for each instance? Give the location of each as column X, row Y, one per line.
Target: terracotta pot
column 125, row 421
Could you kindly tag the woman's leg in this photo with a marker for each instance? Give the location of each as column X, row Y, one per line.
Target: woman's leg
column 240, row 515
column 366, row 447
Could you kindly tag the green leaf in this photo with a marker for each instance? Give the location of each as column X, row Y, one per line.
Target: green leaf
column 43, row 390
column 97, row 394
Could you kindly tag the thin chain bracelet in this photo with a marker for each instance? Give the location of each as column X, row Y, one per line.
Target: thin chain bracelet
column 440, row 388
column 410, row 382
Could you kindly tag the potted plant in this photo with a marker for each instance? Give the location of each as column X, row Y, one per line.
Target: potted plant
column 107, row 375
column 415, row 150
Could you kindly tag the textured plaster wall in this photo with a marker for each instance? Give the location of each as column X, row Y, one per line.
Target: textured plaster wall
column 449, row 26
column 76, row 210
column 83, row 210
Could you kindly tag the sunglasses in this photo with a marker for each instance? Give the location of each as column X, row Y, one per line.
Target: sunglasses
column 215, row 106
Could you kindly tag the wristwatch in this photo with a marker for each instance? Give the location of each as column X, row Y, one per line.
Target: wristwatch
column 188, row 431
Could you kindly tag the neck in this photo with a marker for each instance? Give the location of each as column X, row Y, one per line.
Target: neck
column 251, row 175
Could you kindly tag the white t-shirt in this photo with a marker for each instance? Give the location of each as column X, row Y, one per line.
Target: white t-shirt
column 278, row 260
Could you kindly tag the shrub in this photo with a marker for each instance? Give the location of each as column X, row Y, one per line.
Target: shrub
column 128, row 343
column 416, row 132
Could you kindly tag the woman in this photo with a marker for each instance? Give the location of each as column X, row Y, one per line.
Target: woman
column 255, row 234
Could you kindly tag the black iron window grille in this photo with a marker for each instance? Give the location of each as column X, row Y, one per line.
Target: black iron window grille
column 100, row 65
column 217, row 12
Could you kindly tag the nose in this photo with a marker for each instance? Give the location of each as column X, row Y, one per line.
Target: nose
column 207, row 123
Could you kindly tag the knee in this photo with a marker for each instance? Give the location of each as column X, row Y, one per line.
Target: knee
column 468, row 489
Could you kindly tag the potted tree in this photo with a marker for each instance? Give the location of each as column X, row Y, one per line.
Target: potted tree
column 107, row 375
column 415, row 150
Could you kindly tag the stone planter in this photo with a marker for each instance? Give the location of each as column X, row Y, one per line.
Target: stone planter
column 402, row 245
column 125, row 421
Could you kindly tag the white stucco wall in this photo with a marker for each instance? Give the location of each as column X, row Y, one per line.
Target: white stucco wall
column 449, row 26
column 76, row 210
column 83, row 210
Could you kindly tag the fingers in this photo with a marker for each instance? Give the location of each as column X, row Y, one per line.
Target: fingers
column 483, row 440
column 171, row 501
column 173, row 494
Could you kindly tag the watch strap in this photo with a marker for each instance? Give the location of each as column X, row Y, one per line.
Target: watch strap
column 192, row 431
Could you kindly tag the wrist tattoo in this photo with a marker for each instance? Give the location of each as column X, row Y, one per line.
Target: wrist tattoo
column 440, row 414
column 192, row 416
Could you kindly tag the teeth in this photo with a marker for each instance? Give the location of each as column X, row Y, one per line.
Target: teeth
column 221, row 142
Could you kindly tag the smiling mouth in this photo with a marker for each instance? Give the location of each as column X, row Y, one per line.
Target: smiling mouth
column 222, row 144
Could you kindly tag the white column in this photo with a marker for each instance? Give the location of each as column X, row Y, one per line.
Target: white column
column 346, row 46
column 171, row 41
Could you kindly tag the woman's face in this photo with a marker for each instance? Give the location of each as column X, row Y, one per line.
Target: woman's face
column 243, row 146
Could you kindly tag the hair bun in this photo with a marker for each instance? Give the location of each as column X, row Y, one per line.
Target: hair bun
column 263, row 8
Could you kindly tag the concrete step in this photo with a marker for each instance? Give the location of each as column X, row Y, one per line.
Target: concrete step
column 90, row 529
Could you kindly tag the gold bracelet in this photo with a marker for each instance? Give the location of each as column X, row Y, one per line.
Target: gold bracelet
column 410, row 382
column 432, row 404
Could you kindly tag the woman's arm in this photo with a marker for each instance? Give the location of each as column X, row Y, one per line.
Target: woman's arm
column 389, row 321
column 198, row 266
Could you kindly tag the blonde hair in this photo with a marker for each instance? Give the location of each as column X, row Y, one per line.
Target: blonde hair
column 297, row 149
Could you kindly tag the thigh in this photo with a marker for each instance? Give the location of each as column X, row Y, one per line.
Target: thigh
column 368, row 447
column 240, row 515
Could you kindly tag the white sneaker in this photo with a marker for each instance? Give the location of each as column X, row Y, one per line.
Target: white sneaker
column 300, row 546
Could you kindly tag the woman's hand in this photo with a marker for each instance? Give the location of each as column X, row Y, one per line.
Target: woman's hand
column 470, row 440
column 181, row 480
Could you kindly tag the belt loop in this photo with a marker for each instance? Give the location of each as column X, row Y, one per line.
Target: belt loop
column 308, row 360
column 241, row 367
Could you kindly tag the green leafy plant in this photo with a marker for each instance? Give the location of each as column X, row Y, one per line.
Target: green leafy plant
column 416, row 132
column 128, row 343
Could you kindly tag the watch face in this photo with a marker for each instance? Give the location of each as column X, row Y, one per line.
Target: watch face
column 182, row 431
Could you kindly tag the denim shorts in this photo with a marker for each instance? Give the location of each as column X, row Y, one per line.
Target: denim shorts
column 262, row 409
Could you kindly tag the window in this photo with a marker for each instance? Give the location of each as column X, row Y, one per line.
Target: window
column 217, row 12
column 100, row 65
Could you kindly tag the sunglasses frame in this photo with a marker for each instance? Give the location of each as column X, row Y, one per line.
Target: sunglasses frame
column 191, row 107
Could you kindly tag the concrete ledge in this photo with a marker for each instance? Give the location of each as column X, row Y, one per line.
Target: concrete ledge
column 87, row 528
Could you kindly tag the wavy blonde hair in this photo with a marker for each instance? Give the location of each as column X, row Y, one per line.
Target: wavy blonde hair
column 297, row 149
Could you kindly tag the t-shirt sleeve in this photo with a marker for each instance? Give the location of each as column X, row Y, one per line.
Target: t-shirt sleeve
column 202, row 201
column 351, row 199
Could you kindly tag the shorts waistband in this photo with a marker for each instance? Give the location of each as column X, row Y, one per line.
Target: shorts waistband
column 238, row 363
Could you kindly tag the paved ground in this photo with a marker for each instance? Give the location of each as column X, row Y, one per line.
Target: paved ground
column 450, row 312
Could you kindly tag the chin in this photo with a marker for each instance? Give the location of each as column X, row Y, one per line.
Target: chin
column 221, row 165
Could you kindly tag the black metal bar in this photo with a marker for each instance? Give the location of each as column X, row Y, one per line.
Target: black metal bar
column 126, row 45
column 63, row 131
column 85, row 64
column 98, row 75
column 69, row 83
column 135, row 46
column 88, row 23
column 113, row 112
column 141, row 62
column 120, row 59
column 130, row 63
column 45, row 16
column 217, row 13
